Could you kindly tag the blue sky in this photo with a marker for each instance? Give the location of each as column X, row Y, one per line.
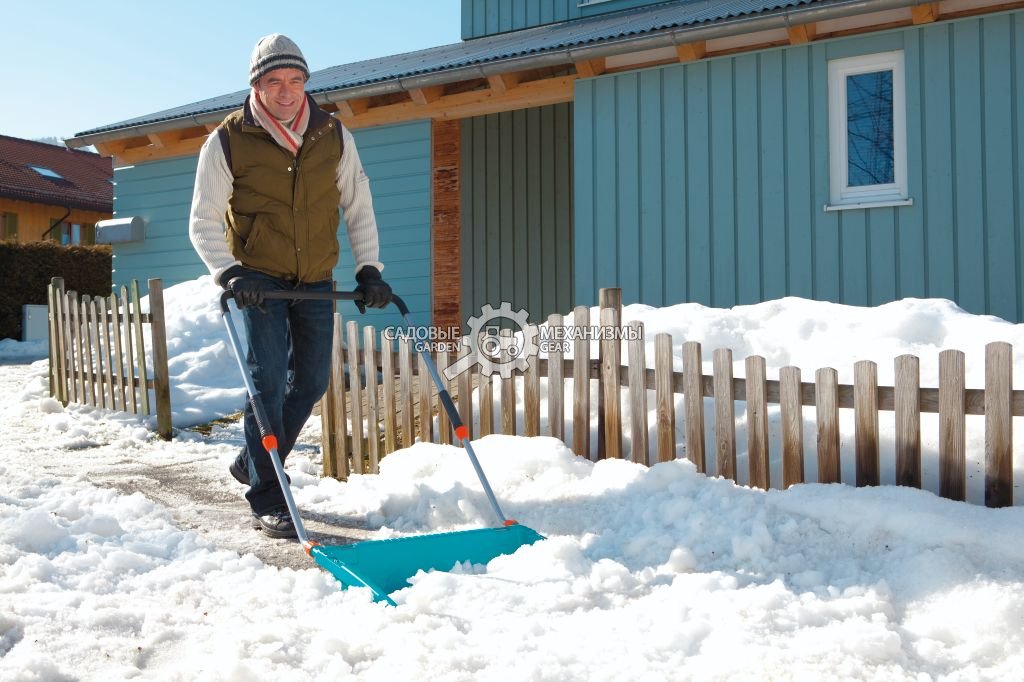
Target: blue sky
column 75, row 65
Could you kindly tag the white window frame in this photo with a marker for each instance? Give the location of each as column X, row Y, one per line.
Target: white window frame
column 841, row 195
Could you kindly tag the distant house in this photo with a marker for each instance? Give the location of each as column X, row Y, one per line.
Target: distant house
column 728, row 152
column 51, row 192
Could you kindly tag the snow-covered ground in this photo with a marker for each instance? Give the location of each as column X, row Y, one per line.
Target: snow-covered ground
column 118, row 559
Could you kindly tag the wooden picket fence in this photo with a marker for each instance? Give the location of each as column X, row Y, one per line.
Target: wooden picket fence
column 98, row 353
column 397, row 408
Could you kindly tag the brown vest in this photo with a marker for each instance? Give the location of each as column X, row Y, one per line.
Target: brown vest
column 283, row 214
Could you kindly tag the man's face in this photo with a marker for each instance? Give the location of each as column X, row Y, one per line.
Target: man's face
column 281, row 91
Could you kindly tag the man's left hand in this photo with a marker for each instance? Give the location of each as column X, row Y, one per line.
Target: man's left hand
column 376, row 292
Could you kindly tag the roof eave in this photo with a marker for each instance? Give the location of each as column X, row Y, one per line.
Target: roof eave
column 732, row 26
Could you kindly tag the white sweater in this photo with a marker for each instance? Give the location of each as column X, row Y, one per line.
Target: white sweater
column 213, row 188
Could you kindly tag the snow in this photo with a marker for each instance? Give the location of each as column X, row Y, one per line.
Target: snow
column 123, row 556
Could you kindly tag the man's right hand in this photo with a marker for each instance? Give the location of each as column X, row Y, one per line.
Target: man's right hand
column 245, row 286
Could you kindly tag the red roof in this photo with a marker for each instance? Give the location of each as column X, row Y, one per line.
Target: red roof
column 84, row 179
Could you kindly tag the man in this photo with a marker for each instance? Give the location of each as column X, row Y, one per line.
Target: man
column 265, row 215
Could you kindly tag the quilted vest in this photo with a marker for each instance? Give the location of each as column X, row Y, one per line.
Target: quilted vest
column 283, row 214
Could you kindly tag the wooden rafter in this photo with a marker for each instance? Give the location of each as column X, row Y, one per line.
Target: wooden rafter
column 503, row 81
column 426, row 95
column 588, row 68
column 352, row 107
column 925, row 13
column 689, row 52
column 802, row 33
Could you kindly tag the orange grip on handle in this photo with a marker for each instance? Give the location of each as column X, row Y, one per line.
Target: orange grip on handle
column 270, row 442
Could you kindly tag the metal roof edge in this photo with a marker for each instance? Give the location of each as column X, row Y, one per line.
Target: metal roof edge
column 730, row 26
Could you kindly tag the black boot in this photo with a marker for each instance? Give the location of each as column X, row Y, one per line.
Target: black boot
column 275, row 524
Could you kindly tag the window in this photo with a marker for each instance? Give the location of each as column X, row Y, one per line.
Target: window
column 9, row 227
column 73, row 233
column 867, row 132
column 47, row 173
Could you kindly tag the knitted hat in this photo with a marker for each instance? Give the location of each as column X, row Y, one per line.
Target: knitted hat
column 275, row 51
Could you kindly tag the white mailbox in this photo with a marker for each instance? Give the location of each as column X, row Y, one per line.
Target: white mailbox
column 120, row 230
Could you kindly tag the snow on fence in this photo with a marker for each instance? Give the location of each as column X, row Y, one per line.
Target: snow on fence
column 396, row 405
column 98, row 351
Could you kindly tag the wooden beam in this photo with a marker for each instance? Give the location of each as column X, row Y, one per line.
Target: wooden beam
column 352, row 107
column 689, row 52
column 503, row 81
column 588, row 68
column 802, row 33
column 465, row 104
column 426, row 95
column 925, row 13
column 185, row 147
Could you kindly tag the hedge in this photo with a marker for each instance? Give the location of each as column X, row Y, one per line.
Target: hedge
column 26, row 270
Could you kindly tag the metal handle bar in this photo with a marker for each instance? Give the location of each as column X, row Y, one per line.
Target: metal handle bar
column 313, row 296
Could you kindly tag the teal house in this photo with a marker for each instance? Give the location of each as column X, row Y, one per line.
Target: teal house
column 727, row 152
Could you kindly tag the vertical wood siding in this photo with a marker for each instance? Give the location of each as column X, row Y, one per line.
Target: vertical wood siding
column 517, row 213
column 487, row 17
column 397, row 160
column 717, row 173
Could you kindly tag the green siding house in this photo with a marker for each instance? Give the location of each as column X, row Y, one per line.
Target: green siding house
column 716, row 152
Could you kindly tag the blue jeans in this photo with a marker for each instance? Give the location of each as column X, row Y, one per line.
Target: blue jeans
column 289, row 357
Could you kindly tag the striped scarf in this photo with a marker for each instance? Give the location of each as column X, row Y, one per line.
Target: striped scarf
column 288, row 135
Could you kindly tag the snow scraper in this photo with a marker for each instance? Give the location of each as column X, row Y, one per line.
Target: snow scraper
column 385, row 566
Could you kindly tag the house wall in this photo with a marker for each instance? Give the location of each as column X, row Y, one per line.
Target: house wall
column 487, row 17
column 397, row 160
column 35, row 219
column 706, row 182
column 517, row 211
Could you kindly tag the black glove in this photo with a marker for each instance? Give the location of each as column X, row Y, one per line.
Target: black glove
column 376, row 292
column 243, row 284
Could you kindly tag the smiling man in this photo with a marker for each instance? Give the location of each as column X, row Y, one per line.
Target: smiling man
column 265, row 215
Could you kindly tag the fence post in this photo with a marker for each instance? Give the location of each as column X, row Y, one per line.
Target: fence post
column 405, row 391
column 508, row 388
column 329, row 414
column 486, row 387
column 757, row 422
column 998, row 424
column 109, row 392
column 826, row 400
column 581, row 384
column 444, row 428
column 387, row 370
column 952, row 425
column 693, row 404
column 52, row 365
column 639, row 449
column 610, row 406
column 664, row 392
column 426, row 401
column 89, row 320
column 129, row 350
column 372, row 408
column 791, row 407
column 907, row 403
column 609, row 298
column 556, row 381
column 865, row 415
column 355, row 386
column 465, row 384
column 58, row 342
column 531, row 396
column 725, row 415
column 140, row 347
column 161, row 376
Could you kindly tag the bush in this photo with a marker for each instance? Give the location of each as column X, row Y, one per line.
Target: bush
column 26, row 270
